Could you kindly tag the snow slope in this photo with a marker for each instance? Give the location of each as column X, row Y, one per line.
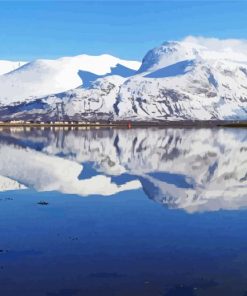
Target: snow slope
column 8, row 66
column 193, row 89
column 44, row 77
column 181, row 80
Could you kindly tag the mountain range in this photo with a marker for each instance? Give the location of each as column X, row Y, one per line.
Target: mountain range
column 179, row 80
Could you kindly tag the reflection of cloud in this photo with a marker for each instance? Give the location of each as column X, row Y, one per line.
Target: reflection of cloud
column 196, row 170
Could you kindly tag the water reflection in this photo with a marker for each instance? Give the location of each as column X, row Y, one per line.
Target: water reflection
column 191, row 169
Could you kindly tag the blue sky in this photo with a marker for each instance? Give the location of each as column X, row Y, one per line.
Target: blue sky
column 49, row 29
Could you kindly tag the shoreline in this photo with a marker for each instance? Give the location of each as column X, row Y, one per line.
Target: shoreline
column 130, row 124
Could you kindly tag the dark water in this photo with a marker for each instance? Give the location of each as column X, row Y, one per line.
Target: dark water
column 123, row 212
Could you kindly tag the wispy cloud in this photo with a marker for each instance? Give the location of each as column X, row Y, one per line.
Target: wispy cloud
column 215, row 44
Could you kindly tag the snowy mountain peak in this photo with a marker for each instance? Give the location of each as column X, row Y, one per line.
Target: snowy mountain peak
column 168, row 53
column 172, row 52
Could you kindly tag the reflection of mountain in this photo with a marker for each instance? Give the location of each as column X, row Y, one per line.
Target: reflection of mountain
column 47, row 173
column 9, row 184
column 197, row 170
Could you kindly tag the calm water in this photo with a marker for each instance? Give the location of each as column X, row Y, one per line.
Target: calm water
column 123, row 212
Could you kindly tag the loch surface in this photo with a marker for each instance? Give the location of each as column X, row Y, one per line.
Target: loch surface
column 103, row 212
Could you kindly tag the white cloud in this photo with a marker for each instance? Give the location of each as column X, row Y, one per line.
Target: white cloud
column 215, row 44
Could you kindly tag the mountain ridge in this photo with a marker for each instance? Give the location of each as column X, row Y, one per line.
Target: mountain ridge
column 42, row 77
column 178, row 80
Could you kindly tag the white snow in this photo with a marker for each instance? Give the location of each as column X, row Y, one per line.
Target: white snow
column 44, row 77
column 8, row 66
column 178, row 80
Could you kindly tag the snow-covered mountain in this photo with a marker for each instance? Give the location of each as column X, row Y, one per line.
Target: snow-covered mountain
column 43, row 77
column 176, row 81
column 182, row 80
